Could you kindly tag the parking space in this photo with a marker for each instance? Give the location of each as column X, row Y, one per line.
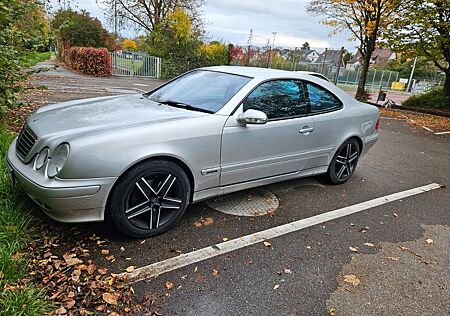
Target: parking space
column 303, row 272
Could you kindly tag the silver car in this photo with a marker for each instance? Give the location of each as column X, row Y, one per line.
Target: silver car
column 142, row 159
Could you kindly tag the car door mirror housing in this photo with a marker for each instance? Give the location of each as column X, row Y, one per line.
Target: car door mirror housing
column 252, row 117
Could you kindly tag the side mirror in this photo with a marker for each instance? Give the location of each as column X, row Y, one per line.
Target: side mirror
column 252, row 117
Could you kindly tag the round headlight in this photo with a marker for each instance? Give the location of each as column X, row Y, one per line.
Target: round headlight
column 57, row 160
column 41, row 158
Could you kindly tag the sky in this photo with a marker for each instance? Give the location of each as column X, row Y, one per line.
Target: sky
column 231, row 21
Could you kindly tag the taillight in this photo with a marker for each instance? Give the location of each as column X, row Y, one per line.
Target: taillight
column 378, row 124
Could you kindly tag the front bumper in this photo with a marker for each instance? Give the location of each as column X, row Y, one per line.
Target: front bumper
column 74, row 200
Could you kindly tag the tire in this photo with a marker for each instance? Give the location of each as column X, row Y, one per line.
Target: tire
column 150, row 199
column 344, row 162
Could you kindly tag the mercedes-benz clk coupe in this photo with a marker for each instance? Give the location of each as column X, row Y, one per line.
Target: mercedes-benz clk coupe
column 141, row 159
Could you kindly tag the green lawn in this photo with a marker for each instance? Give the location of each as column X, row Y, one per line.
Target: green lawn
column 35, row 57
column 134, row 65
column 16, row 234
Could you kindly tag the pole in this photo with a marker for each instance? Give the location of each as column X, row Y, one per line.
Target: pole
column 412, row 75
column 294, row 65
column 341, row 54
column 323, row 60
column 273, row 47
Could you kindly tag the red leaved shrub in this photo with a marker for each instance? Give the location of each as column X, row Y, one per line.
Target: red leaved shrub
column 89, row 60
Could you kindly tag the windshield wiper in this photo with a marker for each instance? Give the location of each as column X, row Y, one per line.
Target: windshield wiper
column 182, row 105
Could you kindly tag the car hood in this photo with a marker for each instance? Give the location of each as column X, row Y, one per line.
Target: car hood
column 76, row 118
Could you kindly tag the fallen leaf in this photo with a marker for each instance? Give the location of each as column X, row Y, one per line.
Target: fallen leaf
column 331, row 311
column 287, row 271
column 101, row 307
column 113, row 314
column 276, row 286
column 127, row 310
column 130, row 269
column 60, row 311
column 102, row 271
column 122, row 249
column 105, row 251
column 70, row 260
column 394, row 258
column 110, row 298
column 353, row 249
column 225, row 239
column 69, row 304
column 215, row 272
column 395, row 215
column 402, row 248
column 352, row 279
column 169, row 285
column 111, row 258
column 195, row 269
column 308, row 247
column 429, row 241
column 369, row 244
column 267, row 244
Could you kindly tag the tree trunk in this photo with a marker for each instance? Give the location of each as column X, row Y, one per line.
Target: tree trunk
column 447, row 84
column 361, row 91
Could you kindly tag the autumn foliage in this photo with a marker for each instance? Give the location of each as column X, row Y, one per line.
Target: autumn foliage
column 89, row 60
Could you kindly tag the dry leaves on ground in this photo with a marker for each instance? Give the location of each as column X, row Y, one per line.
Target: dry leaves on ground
column 352, row 279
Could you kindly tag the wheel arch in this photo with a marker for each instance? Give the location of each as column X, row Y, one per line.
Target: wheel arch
column 173, row 159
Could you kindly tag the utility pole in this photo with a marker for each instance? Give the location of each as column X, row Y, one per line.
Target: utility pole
column 412, row 75
column 271, row 51
column 323, row 60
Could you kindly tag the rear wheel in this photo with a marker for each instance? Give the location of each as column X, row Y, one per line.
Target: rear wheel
column 344, row 162
column 150, row 199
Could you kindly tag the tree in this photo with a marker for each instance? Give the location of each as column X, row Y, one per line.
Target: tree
column 367, row 21
column 16, row 41
column 424, row 28
column 305, row 46
column 148, row 14
column 129, row 44
column 80, row 29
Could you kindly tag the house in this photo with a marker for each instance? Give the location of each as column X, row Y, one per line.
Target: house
column 379, row 56
column 307, row 55
column 331, row 57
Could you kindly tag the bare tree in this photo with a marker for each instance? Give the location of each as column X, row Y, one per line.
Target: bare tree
column 146, row 14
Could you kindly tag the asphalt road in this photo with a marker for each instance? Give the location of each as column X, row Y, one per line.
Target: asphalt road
column 302, row 273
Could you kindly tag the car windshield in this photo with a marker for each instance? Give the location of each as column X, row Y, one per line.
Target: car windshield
column 201, row 90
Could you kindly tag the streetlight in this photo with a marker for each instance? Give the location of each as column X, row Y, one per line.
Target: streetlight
column 273, row 46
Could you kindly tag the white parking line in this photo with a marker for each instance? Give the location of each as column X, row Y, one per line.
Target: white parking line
column 186, row 259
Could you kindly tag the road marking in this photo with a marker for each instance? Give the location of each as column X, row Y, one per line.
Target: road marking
column 141, row 85
column 186, row 259
column 442, row 133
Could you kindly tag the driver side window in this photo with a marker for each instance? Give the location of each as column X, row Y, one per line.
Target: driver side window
column 278, row 99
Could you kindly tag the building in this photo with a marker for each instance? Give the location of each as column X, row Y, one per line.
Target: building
column 380, row 56
column 331, row 57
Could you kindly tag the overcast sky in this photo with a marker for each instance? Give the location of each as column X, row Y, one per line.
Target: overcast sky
column 231, row 21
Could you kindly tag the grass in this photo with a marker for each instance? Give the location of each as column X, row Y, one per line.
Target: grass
column 15, row 234
column 130, row 64
column 34, row 57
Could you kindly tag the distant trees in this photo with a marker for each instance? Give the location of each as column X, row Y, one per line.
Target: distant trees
column 367, row 20
column 129, row 44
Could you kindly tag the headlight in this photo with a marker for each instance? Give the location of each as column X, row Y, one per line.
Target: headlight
column 41, row 158
column 57, row 160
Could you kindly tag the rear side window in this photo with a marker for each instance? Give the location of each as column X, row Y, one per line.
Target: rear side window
column 278, row 99
column 321, row 100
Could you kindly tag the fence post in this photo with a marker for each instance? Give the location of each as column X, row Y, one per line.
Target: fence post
column 381, row 79
column 389, row 79
column 374, row 74
column 158, row 67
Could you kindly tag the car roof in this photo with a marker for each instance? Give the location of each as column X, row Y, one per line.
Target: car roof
column 255, row 72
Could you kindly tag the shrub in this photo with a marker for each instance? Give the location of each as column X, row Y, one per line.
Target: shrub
column 89, row 60
column 432, row 99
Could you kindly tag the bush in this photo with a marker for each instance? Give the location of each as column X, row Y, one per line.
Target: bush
column 89, row 60
column 432, row 99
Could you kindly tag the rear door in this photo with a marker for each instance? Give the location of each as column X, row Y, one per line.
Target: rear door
column 281, row 146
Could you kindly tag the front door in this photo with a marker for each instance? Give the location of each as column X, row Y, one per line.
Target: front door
column 281, row 146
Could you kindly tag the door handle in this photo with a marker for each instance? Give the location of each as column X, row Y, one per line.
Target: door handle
column 306, row 130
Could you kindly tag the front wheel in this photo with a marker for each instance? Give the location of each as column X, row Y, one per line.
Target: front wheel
column 344, row 162
column 150, row 199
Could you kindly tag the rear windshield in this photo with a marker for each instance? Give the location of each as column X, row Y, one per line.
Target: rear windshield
column 207, row 90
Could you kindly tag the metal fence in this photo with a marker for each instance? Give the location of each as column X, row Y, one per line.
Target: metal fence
column 135, row 64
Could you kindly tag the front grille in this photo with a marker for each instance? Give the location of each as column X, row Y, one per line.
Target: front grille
column 25, row 142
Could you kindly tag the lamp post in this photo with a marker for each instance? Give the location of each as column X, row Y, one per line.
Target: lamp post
column 273, row 47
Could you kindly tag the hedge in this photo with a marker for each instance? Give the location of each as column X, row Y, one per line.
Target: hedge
column 432, row 99
column 89, row 60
